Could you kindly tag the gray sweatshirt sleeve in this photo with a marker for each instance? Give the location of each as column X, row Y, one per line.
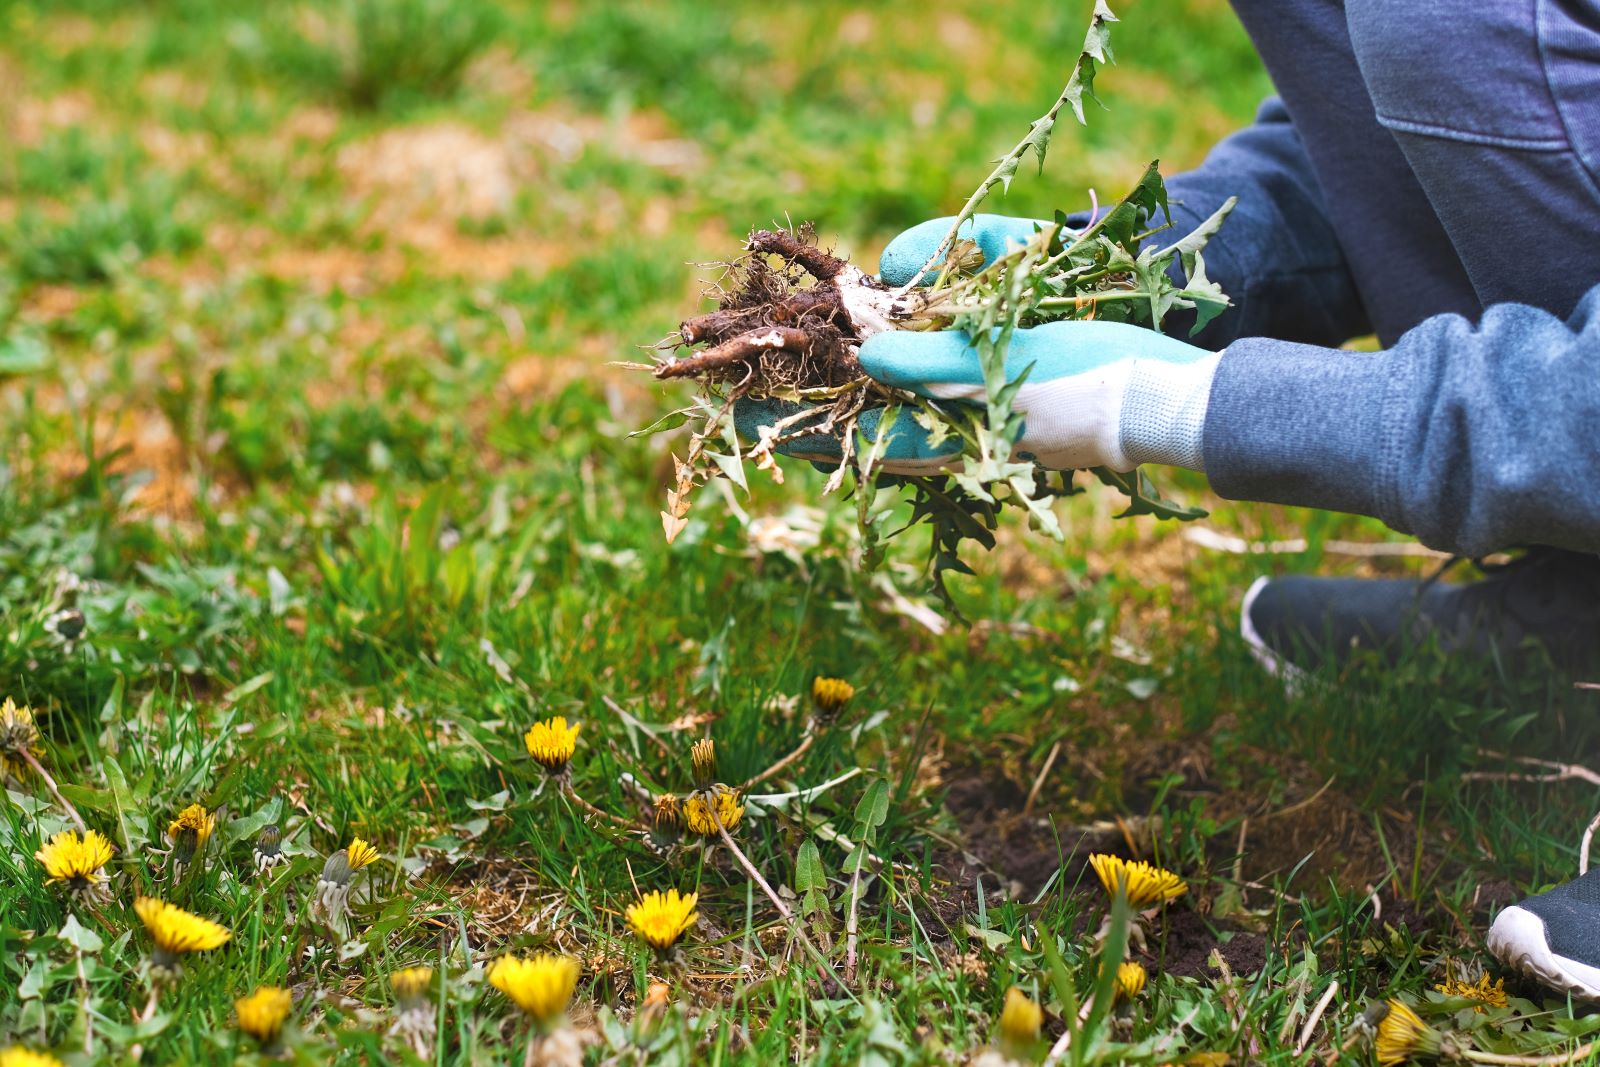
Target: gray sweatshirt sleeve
column 1472, row 437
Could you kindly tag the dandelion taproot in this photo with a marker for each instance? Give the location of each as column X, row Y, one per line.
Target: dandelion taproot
column 552, row 743
column 540, row 985
column 1131, row 979
column 830, row 695
column 1020, row 1021
column 1145, row 885
column 705, row 809
column 77, row 862
column 17, row 1056
column 176, row 932
column 19, row 738
column 661, row 919
column 1485, row 994
column 263, row 1013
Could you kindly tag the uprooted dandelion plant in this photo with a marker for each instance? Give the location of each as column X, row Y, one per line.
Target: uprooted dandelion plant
column 791, row 316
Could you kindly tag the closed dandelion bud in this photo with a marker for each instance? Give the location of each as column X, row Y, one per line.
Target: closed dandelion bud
column 666, row 827
column 268, row 852
column 1020, row 1021
column 830, row 695
column 336, row 869
column 703, row 762
column 19, row 738
column 262, row 1015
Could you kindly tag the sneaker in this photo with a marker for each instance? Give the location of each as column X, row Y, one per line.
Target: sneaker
column 1554, row 937
column 1299, row 624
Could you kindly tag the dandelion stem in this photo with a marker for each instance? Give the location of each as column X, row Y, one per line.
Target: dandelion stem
column 572, row 794
column 1577, row 1054
column 805, row 745
column 777, row 901
column 50, row 784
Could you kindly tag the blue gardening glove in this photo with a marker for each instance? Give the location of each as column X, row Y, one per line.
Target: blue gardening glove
column 1097, row 394
column 906, row 254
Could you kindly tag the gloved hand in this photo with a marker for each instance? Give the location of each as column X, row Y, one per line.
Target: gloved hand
column 1097, row 393
column 906, row 254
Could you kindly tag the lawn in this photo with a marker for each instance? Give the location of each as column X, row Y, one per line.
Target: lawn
column 318, row 494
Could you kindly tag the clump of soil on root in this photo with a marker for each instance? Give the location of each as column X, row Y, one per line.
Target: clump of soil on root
column 789, row 318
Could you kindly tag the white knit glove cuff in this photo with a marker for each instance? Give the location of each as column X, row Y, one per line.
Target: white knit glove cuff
column 1164, row 411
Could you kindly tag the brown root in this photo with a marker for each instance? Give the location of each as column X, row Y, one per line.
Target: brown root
column 780, row 322
column 797, row 248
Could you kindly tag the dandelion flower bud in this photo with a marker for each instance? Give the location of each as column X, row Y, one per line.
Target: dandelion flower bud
column 830, row 695
column 703, row 761
column 189, row 832
column 268, row 852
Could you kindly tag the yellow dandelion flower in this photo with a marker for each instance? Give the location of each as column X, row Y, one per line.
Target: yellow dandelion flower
column 177, row 932
column 263, row 1013
column 1131, row 977
column 190, row 831
column 360, row 854
column 662, row 918
column 540, row 985
column 17, row 1056
column 1402, row 1035
column 552, row 742
column 703, row 762
column 1486, row 994
column 699, row 807
column 411, row 985
column 1145, row 885
column 830, row 695
column 19, row 738
column 77, row 862
column 1020, row 1021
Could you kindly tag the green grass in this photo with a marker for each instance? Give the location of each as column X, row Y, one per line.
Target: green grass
column 333, row 463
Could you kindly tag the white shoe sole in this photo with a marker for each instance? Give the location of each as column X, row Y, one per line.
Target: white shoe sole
column 1294, row 679
column 1517, row 938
